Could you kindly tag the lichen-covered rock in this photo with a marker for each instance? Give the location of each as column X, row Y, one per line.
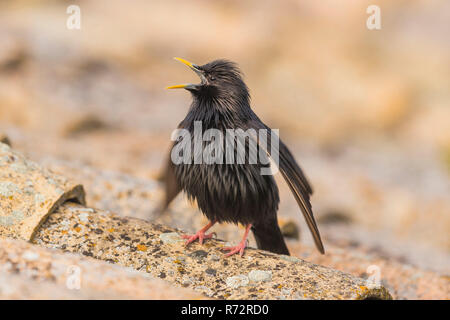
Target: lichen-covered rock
column 28, row 194
column 403, row 280
column 31, row 272
column 138, row 244
column 130, row 196
column 152, row 248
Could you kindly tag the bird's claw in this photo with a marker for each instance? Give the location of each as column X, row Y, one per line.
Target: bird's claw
column 236, row 249
column 200, row 235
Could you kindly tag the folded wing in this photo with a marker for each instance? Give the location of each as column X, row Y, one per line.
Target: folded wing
column 295, row 179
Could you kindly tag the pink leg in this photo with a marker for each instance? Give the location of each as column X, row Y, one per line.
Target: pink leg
column 241, row 246
column 200, row 235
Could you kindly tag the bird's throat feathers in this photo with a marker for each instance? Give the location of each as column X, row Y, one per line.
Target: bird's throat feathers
column 220, row 106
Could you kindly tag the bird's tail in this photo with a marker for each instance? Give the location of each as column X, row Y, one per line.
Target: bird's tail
column 268, row 237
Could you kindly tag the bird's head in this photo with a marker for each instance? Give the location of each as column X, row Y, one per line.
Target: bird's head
column 221, row 82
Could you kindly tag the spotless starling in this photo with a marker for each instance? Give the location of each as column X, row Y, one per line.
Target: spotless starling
column 233, row 191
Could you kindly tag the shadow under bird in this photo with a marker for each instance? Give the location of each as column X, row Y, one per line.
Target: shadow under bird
column 236, row 192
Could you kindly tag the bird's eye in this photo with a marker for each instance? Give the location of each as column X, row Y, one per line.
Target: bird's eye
column 212, row 78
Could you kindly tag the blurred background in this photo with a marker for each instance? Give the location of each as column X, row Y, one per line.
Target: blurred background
column 366, row 112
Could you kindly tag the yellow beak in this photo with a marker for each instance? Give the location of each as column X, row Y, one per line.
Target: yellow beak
column 177, row 86
column 193, row 67
column 188, row 63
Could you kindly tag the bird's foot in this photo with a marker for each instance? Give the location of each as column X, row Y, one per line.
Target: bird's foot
column 236, row 249
column 200, row 235
column 241, row 246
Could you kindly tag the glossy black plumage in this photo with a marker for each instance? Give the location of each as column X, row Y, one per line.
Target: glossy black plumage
column 236, row 193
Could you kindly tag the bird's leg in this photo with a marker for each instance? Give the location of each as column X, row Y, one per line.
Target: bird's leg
column 200, row 235
column 241, row 246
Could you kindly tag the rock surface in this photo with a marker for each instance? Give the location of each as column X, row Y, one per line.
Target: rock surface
column 29, row 193
column 148, row 248
column 403, row 280
column 137, row 197
column 31, row 272
column 139, row 244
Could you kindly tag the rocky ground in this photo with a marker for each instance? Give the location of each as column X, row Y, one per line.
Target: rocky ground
column 50, row 211
column 366, row 114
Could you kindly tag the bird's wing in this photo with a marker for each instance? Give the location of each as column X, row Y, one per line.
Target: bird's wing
column 295, row 179
column 167, row 176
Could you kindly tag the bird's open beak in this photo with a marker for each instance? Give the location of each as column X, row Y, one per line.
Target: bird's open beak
column 194, row 68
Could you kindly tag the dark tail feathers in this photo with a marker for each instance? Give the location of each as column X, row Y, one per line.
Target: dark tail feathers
column 268, row 237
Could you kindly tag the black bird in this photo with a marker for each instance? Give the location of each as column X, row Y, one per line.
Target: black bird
column 236, row 193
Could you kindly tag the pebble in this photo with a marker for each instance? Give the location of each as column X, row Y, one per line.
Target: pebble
column 211, row 272
column 84, row 217
column 237, row 281
column 170, row 237
column 199, row 254
column 260, row 275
